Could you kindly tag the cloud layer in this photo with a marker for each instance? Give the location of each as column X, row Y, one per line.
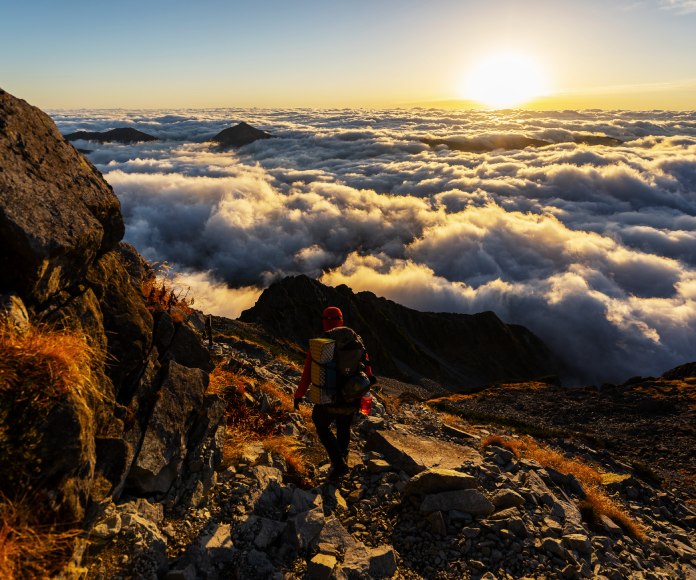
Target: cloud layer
column 591, row 247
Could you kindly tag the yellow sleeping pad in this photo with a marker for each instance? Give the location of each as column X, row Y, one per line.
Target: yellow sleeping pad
column 321, row 391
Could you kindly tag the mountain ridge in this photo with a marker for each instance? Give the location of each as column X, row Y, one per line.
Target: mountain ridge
column 456, row 350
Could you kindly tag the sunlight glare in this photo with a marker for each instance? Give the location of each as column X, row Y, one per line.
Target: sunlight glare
column 505, row 80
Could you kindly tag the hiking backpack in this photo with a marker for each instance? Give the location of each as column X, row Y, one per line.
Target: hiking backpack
column 337, row 371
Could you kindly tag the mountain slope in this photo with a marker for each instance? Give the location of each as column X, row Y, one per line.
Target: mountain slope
column 455, row 350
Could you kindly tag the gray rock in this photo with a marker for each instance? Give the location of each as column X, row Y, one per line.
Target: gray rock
column 437, row 523
column 159, row 460
column 163, row 331
column 570, row 516
column 436, row 480
column 505, row 514
column 465, row 500
column 461, row 434
column 555, row 548
column 186, row 349
column 610, row 526
column 302, row 500
column 106, row 528
column 126, row 320
column 539, row 489
column 218, row 544
column 578, row 542
column 334, row 534
column 56, row 210
column 260, row 565
column 304, row 528
column 382, row 562
column 377, row 466
column 518, row 527
column 371, row 424
column 507, row 498
column 321, row 567
column 416, row 453
column 268, row 533
column 356, row 562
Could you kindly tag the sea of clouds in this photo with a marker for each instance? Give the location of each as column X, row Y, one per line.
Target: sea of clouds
column 591, row 247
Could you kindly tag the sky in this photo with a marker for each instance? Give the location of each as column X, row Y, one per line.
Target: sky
column 359, row 53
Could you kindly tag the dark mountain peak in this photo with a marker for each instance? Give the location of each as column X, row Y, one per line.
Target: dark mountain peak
column 456, row 350
column 240, row 135
column 118, row 135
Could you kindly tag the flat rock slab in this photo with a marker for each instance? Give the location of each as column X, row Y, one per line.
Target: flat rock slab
column 416, row 453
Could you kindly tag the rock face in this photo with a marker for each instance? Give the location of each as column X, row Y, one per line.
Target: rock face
column 455, row 349
column 154, row 429
column 119, row 135
column 57, row 214
column 240, row 135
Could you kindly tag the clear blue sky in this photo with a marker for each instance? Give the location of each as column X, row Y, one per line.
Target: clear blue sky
column 174, row 53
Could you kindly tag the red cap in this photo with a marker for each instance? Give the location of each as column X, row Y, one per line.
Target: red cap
column 332, row 317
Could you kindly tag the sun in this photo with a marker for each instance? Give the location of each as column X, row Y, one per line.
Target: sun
column 506, row 80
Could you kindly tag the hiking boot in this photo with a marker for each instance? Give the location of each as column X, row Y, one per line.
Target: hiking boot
column 338, row 471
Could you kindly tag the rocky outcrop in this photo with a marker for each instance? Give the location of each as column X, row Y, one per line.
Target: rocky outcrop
column 240, row 135
column 150, row 427
column 118, row 135
column 455, row 350
column 57, row 214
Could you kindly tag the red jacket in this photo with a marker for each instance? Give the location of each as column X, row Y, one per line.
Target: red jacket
column 307, row 374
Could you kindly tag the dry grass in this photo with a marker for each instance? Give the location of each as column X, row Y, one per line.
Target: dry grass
column 163, row 292
column 41, row 369
column 597, row 501
column 247, row 425
column 28, row 549
column 290, row 450
column 453, row 420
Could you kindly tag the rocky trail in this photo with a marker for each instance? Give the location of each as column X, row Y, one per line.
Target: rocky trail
column 423, row 499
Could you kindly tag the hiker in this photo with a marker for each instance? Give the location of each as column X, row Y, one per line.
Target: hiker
column 338, row 410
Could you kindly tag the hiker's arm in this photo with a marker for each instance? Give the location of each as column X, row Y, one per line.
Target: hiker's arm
column 306, row 376
column 368, row 369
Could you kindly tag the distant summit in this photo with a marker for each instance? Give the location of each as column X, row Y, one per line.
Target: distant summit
column 454, row 350
column 240, row 135
column 488, row 143
column 119, row 135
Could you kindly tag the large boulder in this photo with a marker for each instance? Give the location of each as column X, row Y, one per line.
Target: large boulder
column 416, row 453
column 159, row 460
column 127, row 321
column 57, row 213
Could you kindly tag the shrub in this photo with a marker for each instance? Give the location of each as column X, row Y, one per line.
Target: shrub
column 163, row 292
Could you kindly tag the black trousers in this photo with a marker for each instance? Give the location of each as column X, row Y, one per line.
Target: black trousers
column 336, row 445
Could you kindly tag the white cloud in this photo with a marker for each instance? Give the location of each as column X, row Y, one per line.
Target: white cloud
column 592, row 247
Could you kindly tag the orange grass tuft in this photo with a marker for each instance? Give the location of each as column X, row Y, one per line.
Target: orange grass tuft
column 30, row 550
column 163, row 292
column 290, row 450
column 41, row 369
column 591, row 478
